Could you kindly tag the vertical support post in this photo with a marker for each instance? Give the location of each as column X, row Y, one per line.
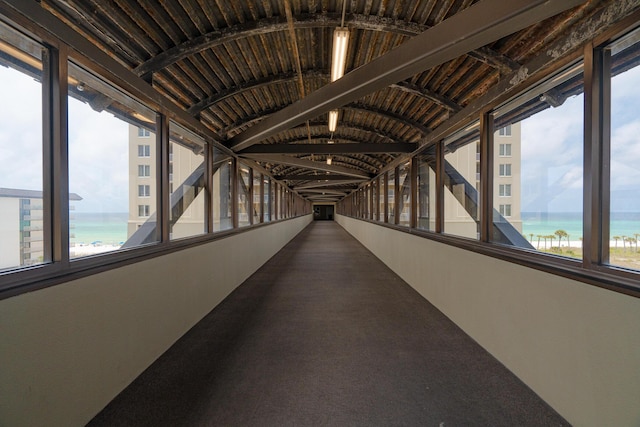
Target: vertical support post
column 597, row 154
column 386, row 196
column 56, row 155
column 413, row 214
column 250, row 196
column 162, row 165
column 439, row 225
column 234, row 191
column 397, row 197
column 261, row 198
column 208, row 190
column 486, row 177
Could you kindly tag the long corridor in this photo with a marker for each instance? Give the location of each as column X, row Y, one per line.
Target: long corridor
column 325, row 334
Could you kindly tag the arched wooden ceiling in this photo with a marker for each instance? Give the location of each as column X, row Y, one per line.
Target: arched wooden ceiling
column 232, row 64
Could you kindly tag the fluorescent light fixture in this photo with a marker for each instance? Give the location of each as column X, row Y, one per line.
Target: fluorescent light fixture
column 333, row 120
column 339, row 57
column 329, row 159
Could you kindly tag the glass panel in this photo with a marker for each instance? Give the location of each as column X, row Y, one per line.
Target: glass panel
column 114, row 188
column 244, row 196
column 186, row 180
column 381, row 198
column 267, row 199
column 21, row 184
column 538, row 179
column 376, row 205
column 272, row 198
column 221, row 192
column 625, row 158
column 462, row 183
column 405, row 195
column 257, row 197
column 391, row 189
column 426, row 193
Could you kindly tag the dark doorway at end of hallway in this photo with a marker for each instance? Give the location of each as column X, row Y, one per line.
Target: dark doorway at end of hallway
column 323, row 212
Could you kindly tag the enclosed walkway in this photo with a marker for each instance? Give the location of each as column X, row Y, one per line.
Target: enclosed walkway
column 325, row 334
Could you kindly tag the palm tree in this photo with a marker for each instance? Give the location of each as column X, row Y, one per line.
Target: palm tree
column 624, row 243
column 539, row 236
column 561, row 234
column 552, row 238
column 616, row 238
column 531, row 235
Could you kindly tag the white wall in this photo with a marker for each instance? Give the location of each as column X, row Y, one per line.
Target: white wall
column 574, row 344
column 67, row 350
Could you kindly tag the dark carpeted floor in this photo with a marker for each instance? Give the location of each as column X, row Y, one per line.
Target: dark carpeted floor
column 325, row 334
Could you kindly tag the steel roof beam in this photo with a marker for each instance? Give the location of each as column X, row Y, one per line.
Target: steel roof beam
column 474, row 27
column 309, row 164
column 350, row 148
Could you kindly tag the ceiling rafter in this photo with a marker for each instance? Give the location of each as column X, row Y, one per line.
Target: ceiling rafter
column 474, row 27
column 279, row 23
column 311, row 165
column 340, row 148
column 263, row 115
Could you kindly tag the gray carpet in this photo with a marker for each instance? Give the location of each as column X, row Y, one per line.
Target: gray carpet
column 325, row 334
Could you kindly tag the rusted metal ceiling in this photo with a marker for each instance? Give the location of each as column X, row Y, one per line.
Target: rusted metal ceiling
column 231, row 64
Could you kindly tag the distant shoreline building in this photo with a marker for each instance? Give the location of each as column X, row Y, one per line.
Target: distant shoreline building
column 22, row 227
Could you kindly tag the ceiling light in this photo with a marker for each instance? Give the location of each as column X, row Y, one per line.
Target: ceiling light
column 331, row 141
column 333, row 120
column 339, row 57
column 329, row 160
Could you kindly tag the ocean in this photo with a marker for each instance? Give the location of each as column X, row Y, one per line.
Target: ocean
column 622, row 224
column 111, row 228
column 107, row 228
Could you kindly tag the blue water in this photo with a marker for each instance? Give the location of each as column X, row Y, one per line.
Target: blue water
column 107, row 228
column 622, row 223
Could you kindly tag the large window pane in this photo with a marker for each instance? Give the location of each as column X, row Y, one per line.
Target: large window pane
column 244, row 195
column 21, row 185
column 221, row 192
column 186, row 183
column 114, row 186
column 257, row 197
column 381, row 198
column 625, row 158
column 426, row 193
column 268, row 200
column 405, row 194
column 391, row 196
column 538, row 176
column 462, row 183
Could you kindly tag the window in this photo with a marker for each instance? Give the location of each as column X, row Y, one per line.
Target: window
column 505, row 169
column 505, row 210
column 505, row 150
column 426, row 193
column 144, row 171
column 22, row 232
column 222, row 192
column 404, row 193
column 624, row 211
column 144, row 151
column 143, row 133
column 545, row 210
column 143, row 210
column 144, row 191
column 244, row 196
column 505, row 190
column 505, row 131
column 462, row 183
column 105, row 172
column 187, row 173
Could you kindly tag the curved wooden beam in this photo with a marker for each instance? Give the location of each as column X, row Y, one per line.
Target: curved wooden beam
column 279, row 23
column 255, row 118
column 290, row 77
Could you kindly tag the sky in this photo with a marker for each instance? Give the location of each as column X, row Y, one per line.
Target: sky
column 98, row 150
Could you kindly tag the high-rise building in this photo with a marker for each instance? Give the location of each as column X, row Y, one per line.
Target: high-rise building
column 22, row 227
column 142, row 183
